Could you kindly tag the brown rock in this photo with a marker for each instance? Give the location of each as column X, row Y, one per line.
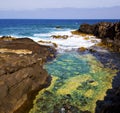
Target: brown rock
column 22, row 75
column 82, row 49
column 60, row 36
column 7, row 38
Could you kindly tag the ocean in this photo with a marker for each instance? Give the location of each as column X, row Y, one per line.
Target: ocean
column 39, row 28
column 43, row 29
column 78, row 80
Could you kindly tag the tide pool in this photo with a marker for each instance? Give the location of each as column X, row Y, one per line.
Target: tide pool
column 78, row 81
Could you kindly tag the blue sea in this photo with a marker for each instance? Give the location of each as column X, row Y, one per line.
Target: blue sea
column 33, row 27
column 78, row 80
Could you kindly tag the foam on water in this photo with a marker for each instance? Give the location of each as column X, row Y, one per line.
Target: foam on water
column 73, row 42
column 53, row 33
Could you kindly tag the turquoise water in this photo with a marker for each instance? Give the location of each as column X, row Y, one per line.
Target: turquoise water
column 67, row 65
column 78, row 81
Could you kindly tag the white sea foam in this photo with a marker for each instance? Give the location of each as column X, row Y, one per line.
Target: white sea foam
column 42, row 34
column 73, row 42
column 53, row 33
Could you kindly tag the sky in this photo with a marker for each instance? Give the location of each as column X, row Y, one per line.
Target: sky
column 11, row 8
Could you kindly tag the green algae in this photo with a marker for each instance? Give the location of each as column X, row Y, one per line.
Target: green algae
column 77, row 80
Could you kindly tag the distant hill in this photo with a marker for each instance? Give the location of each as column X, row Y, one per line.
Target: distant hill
column 64, row 13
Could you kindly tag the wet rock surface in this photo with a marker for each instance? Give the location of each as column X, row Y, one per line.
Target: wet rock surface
column 22, row 75
column 108, row 32
column 60, row 36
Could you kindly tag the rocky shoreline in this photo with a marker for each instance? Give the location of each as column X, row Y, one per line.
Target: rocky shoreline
column 21, row 72
column 107, row 31
column 110, row 35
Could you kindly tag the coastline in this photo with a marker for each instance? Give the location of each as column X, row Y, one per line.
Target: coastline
column 22, row 74
column 110, row 35
column 35, row 56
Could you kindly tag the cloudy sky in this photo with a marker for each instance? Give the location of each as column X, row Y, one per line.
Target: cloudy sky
column 23, row 7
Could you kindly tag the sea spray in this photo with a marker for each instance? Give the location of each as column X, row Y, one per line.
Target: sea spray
column 72, row 43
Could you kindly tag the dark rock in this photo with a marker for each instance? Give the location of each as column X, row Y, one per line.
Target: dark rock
column 108, row 32
column 111, row 103
column 22, row 74
column 86, row 28
column 60, row 36
column 58, row 27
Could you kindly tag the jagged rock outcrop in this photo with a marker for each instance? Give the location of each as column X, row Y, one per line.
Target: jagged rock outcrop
column 107, row 31
column 21, row 73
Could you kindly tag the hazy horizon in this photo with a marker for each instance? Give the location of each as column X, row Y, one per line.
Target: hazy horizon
column 63, row 13
column 59, row 9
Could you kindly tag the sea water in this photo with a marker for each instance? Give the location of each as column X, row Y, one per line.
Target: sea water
column 40, row 28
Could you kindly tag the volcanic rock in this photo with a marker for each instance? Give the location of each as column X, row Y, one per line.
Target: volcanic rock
column 108, row 32
column 21, row 73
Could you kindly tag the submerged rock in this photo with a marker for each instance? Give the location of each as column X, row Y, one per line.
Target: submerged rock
column 60, row 36
column 22, row 75
column 58, row 27
column 82, row 49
